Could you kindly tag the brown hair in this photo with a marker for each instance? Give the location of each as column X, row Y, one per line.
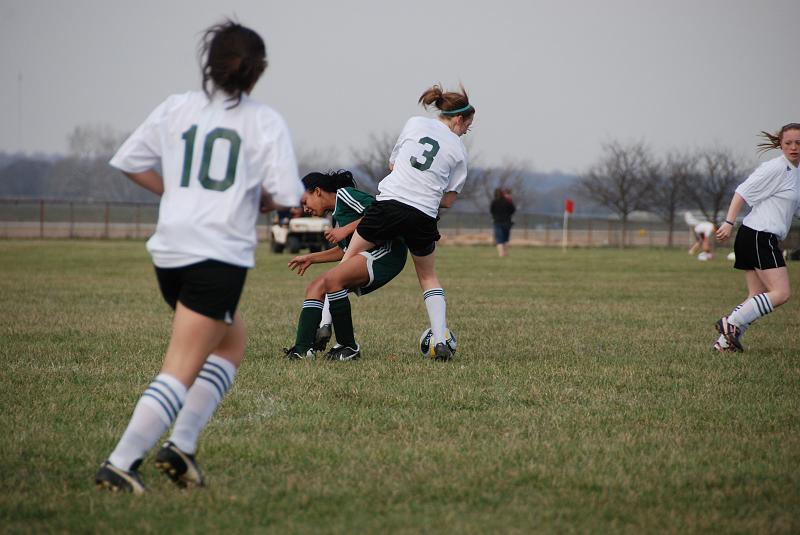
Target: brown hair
column 773, row 141
column 235, row 58
column 447, row 101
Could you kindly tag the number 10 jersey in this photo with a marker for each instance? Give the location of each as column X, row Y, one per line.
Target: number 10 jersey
column 429, row 160
column 214, row 160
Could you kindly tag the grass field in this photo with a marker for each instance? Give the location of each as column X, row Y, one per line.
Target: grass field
column 584, row 398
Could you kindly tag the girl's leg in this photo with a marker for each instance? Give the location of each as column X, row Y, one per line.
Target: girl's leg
column 213, row 382
column 357, row 245
column 754, row 287
column 194, row 336
column 773, row 291
column 433, row 294
column 334, row 285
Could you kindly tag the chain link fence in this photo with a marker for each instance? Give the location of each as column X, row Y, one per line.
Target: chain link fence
column 53, row 218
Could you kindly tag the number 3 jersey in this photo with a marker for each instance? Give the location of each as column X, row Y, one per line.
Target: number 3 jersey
column 214, row 162
column 429, row 160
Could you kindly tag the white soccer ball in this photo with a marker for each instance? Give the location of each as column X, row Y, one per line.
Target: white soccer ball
column 426, row 347
column 731, row 256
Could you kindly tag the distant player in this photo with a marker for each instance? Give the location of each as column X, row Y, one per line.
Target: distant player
column 773, row 194
column 220, row 154
column 702, row 232
column 362, row 273
column 428, row 168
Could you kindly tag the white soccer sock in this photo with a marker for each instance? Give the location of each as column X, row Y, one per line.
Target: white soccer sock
column 205, row 395
column 436, row 305
column 327, row 319
column 154, row 413
column 751, row 310
column 742, row 328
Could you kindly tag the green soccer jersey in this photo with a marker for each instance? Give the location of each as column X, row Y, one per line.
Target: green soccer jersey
column 350, row 205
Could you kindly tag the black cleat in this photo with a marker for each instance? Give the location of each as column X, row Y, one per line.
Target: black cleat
column 179, row 466
column 292, row 353
column 343, row 353
column 322, row 337
column 109, row 477
column 731, row 333
column 442, row 352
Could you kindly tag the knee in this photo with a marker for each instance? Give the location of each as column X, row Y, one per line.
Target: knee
column 782, row 297
column 316, row 289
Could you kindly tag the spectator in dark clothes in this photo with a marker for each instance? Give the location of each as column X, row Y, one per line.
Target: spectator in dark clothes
column 502, row 208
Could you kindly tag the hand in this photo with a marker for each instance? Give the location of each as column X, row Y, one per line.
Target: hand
column 300, row 263
column 266, row 204
column 335, row 235
column 724, row 231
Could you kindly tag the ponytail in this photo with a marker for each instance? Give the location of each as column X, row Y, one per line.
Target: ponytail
column 235, row 58
column 773, row 141
column 449, row 103
column 330, row 182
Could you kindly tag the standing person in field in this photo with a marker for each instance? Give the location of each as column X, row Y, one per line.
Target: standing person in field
column 502, row 208
column 362, row 273
column 773, row 194
column 428, row 168
column 220, row 154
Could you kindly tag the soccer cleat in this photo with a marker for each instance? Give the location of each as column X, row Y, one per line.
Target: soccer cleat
column 343, row 353
column 322, row 337
column 730, row 331
column 442, row 352
column 723, row 349
column 293, row 354
column 109, row 477
column 179, row 466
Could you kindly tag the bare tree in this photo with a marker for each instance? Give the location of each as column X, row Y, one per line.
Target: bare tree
column 371, row 162
column 620, row 180
column 92, row 141
column 719, row 172
column 309, row 160
column 482, row 182
column 85, row 172
column 667, row 193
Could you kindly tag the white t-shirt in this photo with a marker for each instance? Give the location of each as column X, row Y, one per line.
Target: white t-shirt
column 429, row 160
column 214, row 162
column 773, row 193
column 704, row 228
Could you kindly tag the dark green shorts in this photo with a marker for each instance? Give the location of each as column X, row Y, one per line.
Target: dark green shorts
column 383, row 263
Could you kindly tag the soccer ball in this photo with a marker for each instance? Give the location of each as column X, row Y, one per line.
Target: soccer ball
column 426, row 345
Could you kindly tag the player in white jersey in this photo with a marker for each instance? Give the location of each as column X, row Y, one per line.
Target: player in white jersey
column 221, row 155
column 773, row 193
column 702, row 232
column 428, row 168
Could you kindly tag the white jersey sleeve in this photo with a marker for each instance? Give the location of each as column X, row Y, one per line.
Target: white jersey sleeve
column 398, row 144
column 281, row 179
column 143, row 150
column 458, row 176
column 762, row 184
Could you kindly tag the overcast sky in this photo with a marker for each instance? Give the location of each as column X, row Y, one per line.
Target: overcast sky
column 551, row 80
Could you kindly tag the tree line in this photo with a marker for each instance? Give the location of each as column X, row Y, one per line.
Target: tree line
column 628, row 177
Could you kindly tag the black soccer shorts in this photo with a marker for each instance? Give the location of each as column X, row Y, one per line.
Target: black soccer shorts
column 387, row 220
column 210, row 288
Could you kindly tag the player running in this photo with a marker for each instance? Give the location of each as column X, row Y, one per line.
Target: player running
column 773, row 194
column 428, row 169
column 220, row 154
column 362, row 273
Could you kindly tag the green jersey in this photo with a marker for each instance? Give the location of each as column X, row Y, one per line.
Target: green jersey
column 385, row 261
column 350, row 205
